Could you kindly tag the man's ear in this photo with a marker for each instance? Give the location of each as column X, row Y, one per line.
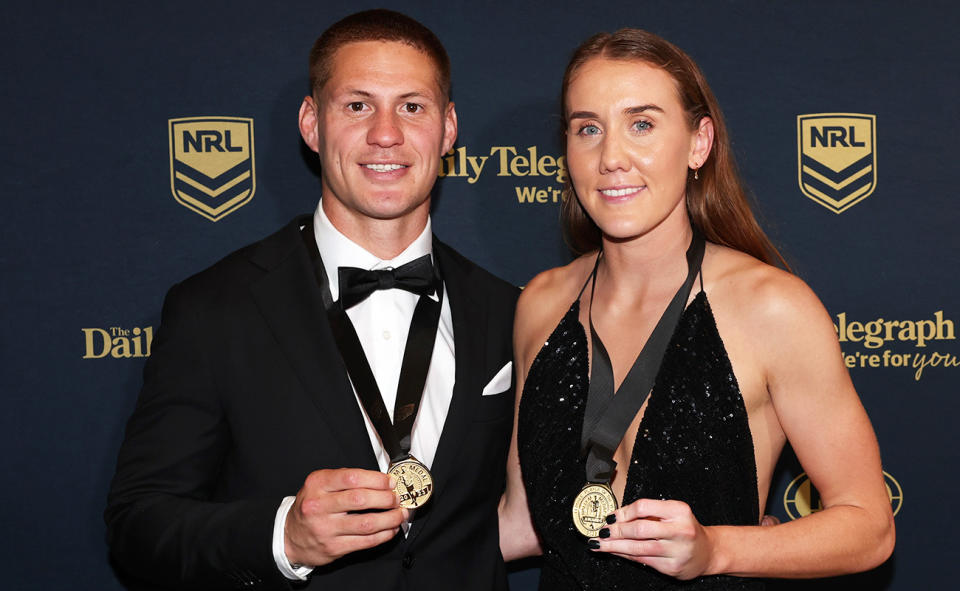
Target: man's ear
column 308, row 123
column 449, row 128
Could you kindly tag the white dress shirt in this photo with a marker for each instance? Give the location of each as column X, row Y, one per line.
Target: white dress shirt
column 382, row 322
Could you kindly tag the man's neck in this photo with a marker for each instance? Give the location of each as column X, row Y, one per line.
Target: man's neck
column 383, row 238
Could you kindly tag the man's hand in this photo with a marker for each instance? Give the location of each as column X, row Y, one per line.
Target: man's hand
column 323, row 525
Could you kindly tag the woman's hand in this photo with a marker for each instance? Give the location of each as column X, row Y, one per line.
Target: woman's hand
column 664, row 535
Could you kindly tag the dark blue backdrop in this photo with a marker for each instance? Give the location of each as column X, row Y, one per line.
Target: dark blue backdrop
column 92, row 235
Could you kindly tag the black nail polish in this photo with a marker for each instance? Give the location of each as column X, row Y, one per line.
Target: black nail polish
column 605, row 532
column 611, row 519
column 593, row 544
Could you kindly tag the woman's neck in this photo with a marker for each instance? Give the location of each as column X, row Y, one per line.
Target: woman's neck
column 646, row 264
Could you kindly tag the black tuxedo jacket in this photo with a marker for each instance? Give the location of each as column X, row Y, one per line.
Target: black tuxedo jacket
column 245, row 394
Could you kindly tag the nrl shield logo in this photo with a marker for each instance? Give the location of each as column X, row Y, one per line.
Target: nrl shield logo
column 211, row 164
column 837, row 158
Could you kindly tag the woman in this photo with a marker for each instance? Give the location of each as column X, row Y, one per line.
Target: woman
column 744, row 357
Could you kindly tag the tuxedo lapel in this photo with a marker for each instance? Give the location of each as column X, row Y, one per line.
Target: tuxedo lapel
column 469, row 314
column 289, row 299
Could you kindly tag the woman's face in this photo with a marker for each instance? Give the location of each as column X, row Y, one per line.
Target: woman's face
column 629, row 145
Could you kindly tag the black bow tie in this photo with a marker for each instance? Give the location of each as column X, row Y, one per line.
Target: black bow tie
column 356, row 285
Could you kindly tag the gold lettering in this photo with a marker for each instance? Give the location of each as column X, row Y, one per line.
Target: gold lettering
column 117, row 342
column 919, row 362
column 842, row 328
column 121, row 348
column 944, row 327
column 562, row 169
column 538, row 195
column 525, row 194
column 148, row 337
column 546, row 165
column 502, row 151
column 875, row 333
column 476, row 163
column 447, row 166
column 137, row 342
column 873, row 329
column 908, row 331
column 532, row 151
column 461, row 161
column 458, row 163
column 519, row 166
column 888, row 336
column 90, row 349
column 926, row 329
column 853, row 331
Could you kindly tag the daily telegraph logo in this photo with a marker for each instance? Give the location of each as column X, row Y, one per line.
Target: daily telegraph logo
column 837, row 158
column 802, row 498
column 884, row 341
column 117, row 342
column 544, row 174
column 211, row 164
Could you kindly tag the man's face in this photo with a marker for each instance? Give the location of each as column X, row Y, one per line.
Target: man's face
column 380, row 126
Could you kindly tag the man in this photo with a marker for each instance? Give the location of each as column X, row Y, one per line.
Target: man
column 272, row 371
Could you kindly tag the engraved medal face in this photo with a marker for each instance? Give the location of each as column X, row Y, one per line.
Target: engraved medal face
column 414, row 483
column 591, row 507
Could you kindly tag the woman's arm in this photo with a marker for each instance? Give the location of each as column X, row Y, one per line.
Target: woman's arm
column 517, row 536
column 536, row 309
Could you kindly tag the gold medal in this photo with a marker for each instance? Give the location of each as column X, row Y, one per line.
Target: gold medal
column 591, row 507
column 414, row 482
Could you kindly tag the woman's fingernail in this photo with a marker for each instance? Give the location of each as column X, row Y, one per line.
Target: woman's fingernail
column 611, row 519
column 593, row 544
column 605, row 532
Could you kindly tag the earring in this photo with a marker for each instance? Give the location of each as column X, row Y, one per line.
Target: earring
column 696, row 174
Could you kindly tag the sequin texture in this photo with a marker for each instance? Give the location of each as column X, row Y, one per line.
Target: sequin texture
column 693, row 445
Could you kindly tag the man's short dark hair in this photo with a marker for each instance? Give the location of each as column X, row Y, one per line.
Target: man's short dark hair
column 377, row 25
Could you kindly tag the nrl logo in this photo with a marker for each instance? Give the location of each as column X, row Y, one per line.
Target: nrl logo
column 837, row 158
column 211, row 164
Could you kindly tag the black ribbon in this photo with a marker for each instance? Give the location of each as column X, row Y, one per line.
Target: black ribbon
column 609, row 413
column 395, row 435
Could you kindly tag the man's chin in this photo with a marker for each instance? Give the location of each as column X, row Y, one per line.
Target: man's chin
column 394, row 207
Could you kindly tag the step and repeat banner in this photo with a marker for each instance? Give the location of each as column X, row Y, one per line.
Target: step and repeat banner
column 144, row 141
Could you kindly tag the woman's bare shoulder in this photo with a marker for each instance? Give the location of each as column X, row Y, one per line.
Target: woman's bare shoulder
column 546, row 298
column 762, row 299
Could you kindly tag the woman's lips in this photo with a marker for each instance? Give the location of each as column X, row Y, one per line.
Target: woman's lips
column 614, row 194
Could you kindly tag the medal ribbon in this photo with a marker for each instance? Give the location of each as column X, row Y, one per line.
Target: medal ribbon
column 608, row 414
column 395, row 435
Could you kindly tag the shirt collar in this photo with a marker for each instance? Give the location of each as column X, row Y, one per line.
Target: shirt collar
column 337, row 250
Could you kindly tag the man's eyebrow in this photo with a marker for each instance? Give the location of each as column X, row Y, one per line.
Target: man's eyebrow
column 413, row 94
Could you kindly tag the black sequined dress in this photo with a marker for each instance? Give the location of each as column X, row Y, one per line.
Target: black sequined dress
column 693, row 445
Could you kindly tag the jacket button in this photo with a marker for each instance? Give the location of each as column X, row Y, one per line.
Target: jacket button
column 407, row 561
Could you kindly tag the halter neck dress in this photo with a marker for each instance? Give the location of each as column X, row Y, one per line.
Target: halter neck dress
column 693, row 445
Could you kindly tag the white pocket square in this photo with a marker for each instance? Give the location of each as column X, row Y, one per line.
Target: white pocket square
column 501, row 381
